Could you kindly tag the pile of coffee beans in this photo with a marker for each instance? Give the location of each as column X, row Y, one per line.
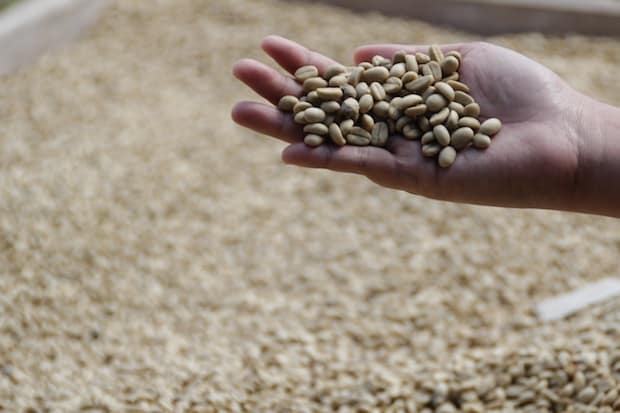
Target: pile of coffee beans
column 417, row 96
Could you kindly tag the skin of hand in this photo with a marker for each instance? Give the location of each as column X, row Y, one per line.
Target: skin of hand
column 540, row 159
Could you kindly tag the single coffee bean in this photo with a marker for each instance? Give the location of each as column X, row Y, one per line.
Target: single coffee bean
column 380, row 134
column 422, row 58
column 446, row 90
column 463, row 98
column 313, row 97
column 417, row 110
column 381, row 61
column 440, row 117
column 365, row 65
column 336, row 135
column 428, row 92
column 420, row 85
column 424, row 124
column 362, row 88
column 411, row 63
column 409, row 77
column 456, row 85
column 430, row 150
column 330, row 93
column 313, row 140
column 473, row 110
column 394, row 113
column 469, row 122
column 436, row 102
column 348, row 91
column 330, row 107
column 377, row 91
column 398, row 70
column 306, row 72
column 455, row 54
column 356, row 75
column 316, row 129
column 393, row 80
column 367, row 122
column 346, row 126
column 392, row 88
column 300, row 118
column 407, row 101
column 442, row 135
column 376, row 74
column 452, row 122
column 426, row 70
column 401, row 122
column 338, row 81
column 454, row 76
column 334, row 70
column 359, row 131
column 449, row 65
column 435, row 53
column 314, row 115
column 314, row 83
column 428, row 137
column 482, row 141
column 381, row 109
column 435, row 70
column 287, row 103
column 457, row 107
column 447, row 156
column 411, row 131
column 349, row 109
column 301, row 106
column 357, row 140
column 399, row 57
column 365, row 103
column 490, row 127
column 461, row 138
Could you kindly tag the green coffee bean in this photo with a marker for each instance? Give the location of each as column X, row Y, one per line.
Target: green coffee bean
column 490, row 127
column 440, row 117
column 463, row 98
column 454, row 77
column 430, row 150
column 376, row 74
column 362, row 89
column 356, row 75
column 423, row 123
column 306, row 72
column 287, row 103
column 300, row 117
column 420, row 85
column 453, row 120
column 301, row 106
column 482, row 141
column 314, row 115
column 473, row 110
column 407, row 101
column 436, row 102
column 313, row 140
column 365, row 103
column 346, row 126
column 398, row 70
column 457, row 107
column 349, row 109
column 462, row 137
column 381, row 109
column 316, row 129
column 442, row 135
column 409, row 77
column 401, row 122
column 367, row 122
column 330, row 93
column 357, row 140
column 377, row 91
column 435, row 70
column 348, row 91
column 428, row 137
column 393, row 85
column 469, row 122
column 330, row 107
column 417, row 110
column 336, row 135
column 411, row 63
column 334, row 70
column 314, row 83
column 313, row 97
column 380, row 134
column 337, row 81
column 410, row 131
column 435, row 53
column 447, row 156
column 446, row 90
column 456, row 85
column 449, row 65
column 394, row 113
column 399, row 57
column 422, row 58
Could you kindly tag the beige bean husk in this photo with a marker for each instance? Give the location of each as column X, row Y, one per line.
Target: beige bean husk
column 154, row 256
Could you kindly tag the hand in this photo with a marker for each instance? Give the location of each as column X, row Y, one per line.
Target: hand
column 532, row 162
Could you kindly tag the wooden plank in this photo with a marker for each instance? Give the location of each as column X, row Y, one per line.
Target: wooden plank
column 489, row 17
column 32, row 27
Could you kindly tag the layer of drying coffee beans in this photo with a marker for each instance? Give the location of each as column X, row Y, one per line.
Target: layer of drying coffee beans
column 417, row 96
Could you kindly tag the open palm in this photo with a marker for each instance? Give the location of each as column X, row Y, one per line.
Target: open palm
column 531, row 162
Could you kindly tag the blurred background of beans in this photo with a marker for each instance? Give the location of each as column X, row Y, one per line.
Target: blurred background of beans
column 156, row 257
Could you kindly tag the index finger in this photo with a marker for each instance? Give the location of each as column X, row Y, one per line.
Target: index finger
column 291, row 56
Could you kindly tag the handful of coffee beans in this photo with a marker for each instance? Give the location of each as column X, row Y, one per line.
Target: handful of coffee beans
column 417, row 96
